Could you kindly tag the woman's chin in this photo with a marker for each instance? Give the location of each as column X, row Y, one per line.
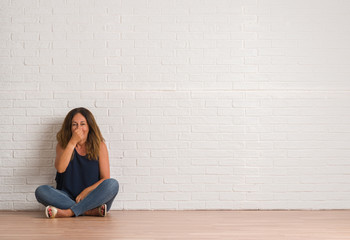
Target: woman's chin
column 81, row 142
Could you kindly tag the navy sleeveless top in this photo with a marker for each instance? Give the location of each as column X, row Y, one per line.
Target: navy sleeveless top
column 80, row 174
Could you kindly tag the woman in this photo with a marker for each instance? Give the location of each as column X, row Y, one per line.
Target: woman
column 84, row 186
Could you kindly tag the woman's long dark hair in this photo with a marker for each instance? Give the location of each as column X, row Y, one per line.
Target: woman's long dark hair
column 94, row 138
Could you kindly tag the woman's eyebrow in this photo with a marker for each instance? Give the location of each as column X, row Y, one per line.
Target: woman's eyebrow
column 77, row 122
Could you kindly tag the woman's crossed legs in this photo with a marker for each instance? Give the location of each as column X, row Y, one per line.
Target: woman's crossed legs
column 102, row 194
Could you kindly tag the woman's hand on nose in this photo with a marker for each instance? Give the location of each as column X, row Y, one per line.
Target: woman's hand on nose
column 77, row 136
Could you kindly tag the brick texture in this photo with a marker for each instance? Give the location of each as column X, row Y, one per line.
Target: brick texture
column 204, row 104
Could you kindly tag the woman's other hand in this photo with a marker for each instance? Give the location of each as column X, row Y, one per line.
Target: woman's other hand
column 82, row 195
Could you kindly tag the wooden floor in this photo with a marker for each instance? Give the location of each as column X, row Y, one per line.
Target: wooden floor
column 255, row 225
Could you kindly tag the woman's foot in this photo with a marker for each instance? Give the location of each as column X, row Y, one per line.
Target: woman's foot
column 52, row 212
column 102, row 210
column 99, row 211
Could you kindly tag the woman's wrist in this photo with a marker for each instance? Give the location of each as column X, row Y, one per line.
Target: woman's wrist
column 71, row 144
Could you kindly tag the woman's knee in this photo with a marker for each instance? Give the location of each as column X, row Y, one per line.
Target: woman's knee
column 112, row 183
column 41, row 191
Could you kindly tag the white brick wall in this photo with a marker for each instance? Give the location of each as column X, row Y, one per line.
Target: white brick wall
column 205, row 104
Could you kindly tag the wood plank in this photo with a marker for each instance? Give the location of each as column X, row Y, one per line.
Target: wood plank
column 245, row 225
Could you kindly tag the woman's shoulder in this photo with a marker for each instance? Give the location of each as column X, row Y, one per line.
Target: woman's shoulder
column 103, row 151
column 103, row 146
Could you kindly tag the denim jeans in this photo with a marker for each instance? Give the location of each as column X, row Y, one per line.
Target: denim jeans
column 102, row 194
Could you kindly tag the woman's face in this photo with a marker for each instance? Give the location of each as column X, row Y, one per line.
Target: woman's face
column 79, row 121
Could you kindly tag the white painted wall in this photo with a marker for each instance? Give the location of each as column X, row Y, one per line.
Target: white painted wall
column 205, row 104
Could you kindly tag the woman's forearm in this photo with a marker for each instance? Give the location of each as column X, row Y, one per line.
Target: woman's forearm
column 87, row 190
column 93, row 186
column 62, row 161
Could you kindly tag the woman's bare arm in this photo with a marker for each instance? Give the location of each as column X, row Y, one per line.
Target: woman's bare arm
column 63, row 156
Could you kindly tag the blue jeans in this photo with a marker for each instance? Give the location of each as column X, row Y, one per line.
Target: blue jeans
column 102, row 194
